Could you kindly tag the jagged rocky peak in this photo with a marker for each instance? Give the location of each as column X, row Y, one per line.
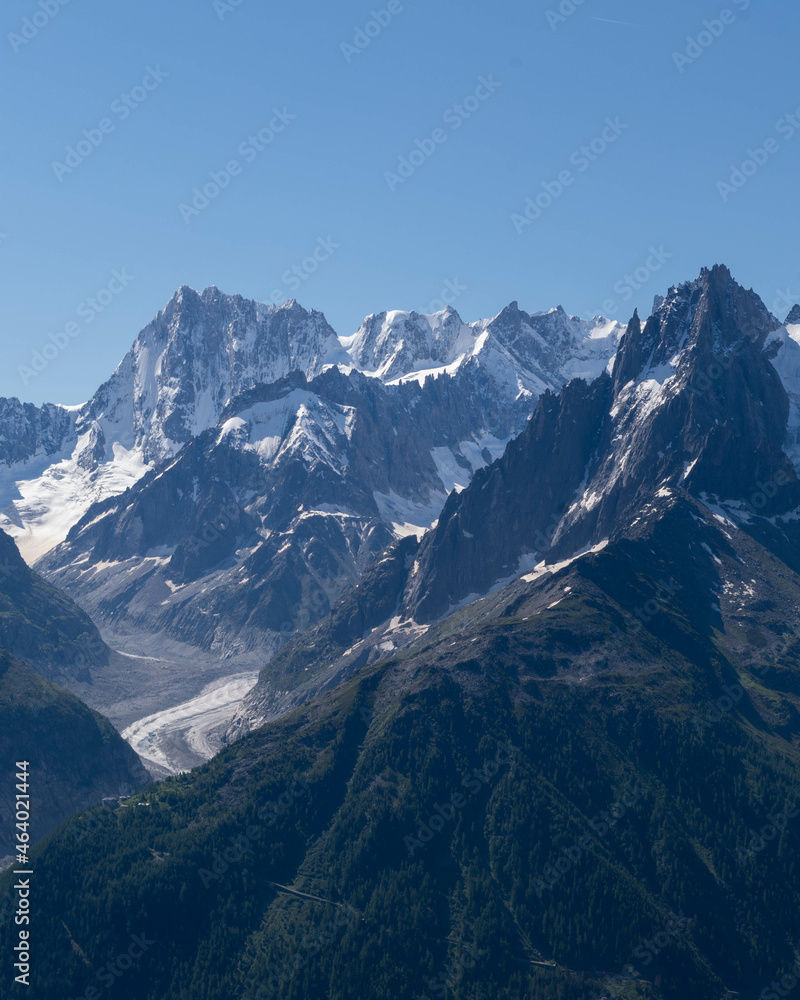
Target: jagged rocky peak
column 553, row 339
column 695, row 406
column 512, row 327
column 396, row 342
column 204, row 349
column 509, row 318
column 697, row 402
column 707, row 316
column 253, row 331
column 513, row 323
column 794, row 316
column 27, row 430
column 545, row 348
column 199, row 351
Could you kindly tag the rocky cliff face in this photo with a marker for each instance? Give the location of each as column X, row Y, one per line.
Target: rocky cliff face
column 29, row 432
column 200, row 351
column 485, row 533
column 694, row 403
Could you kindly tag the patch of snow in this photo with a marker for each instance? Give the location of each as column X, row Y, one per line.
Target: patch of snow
column 40, row 504
column 720, row 513
column 708, row 550
column 543, row 570
column 409, row 517
column 687, row 468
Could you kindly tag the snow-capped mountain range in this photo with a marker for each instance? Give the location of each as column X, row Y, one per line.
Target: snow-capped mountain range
column 694, row 427
column 529, row 351
column 244, row 465
column 203, row 350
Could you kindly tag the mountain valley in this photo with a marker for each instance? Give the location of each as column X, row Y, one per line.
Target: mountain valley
column 560, row 725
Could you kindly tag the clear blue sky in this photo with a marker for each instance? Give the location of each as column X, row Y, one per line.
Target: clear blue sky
column 324, row 174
